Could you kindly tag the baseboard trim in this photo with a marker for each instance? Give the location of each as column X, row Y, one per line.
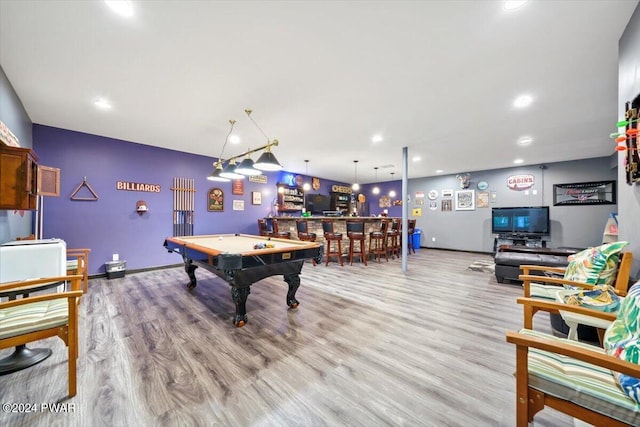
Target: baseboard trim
column 139, row 270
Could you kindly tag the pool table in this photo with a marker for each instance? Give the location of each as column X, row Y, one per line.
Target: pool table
column 242, row 259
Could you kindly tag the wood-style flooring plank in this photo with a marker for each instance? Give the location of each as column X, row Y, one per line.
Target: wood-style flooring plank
column 368, row 346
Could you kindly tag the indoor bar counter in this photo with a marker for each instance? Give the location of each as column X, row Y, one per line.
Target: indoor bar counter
column 371, row 223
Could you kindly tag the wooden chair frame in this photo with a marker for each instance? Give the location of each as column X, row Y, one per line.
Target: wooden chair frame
column 529, row 400
column 68, row 332
column 621, row 283
column 82, row 257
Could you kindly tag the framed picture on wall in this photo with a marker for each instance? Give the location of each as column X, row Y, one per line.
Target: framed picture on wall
column 256, row 198
column 238, row 205
column 465, row 200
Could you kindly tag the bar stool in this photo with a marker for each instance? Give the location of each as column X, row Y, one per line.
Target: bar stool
column 303, row 231
column 302, row 228
column 411, row 226
column 393, row 239
column 329, row 237
column 263, row 230
column 378, row 241
column 277, row 233
column 355, row 233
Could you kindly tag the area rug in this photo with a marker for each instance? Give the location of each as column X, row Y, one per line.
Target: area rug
column 484, row 266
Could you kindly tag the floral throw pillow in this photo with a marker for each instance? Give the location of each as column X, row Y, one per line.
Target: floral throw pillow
column 595, row 266
column 622, row 340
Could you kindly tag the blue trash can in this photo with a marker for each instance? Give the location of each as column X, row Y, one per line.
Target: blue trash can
column 416, row 238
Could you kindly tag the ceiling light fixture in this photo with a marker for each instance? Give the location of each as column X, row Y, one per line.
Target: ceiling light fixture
column 306, row 186
column 217, row 166
column 376, row 138
column 266, row 162
column 518, row 161
column 231, row 171
column 123, row 8
column 376, row 189
column 439, row 171
column 525, row 140
column 416, row 158
column 513, row 4
column 355, row 186
column 102, row 104
column 246, row 167
column 523, row 101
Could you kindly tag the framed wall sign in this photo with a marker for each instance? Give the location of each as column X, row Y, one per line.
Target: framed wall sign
column 585, row 193
column 238, row 205
column 465, row 200
column 237, row 187
column 215, row 200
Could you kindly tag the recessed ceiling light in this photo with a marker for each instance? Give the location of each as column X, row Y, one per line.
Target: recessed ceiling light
column 518, row 161
column 513, row 4
column 416, row 158
column 123, row 8
column 525, row 140
column 234, row 139
column 376, row 138
column 523, row 101
column 439, row 171
column 102, row 104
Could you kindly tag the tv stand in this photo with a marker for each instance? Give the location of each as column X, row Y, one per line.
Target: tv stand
column 518, row 240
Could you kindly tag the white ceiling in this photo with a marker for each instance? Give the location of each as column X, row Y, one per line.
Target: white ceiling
column 323, row 77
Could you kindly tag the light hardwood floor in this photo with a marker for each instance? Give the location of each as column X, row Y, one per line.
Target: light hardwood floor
column 368, row 346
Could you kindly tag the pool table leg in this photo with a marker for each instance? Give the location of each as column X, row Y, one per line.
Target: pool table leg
column 190, row 268
column 239, row 296
column 294, row 283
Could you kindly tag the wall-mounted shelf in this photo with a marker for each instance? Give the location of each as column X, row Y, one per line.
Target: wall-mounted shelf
column 290, row 198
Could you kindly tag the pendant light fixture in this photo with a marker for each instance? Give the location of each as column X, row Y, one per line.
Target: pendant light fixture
column 217, row 166
column 230, row 171
column 215, row 175
column 306, row 186
column 266, row 162
column 376, row 189
column 392, row 193
column 355, row 186
column 246, row 167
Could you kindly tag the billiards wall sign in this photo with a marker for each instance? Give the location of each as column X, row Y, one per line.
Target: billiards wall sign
column 215, row 200
column 137, row 186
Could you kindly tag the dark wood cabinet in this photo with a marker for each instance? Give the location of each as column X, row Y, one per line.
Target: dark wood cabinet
column 18, row 178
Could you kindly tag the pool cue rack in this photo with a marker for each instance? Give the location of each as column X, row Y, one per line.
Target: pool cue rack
column 183, row 206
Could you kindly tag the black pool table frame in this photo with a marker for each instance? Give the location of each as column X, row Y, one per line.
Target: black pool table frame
column 241, row 271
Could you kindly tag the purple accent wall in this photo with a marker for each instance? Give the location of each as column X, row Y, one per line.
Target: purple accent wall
column 374, row 199
column 110, row 224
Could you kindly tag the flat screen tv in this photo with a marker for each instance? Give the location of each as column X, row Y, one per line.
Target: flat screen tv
column 521, row 221
column 317, row 203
